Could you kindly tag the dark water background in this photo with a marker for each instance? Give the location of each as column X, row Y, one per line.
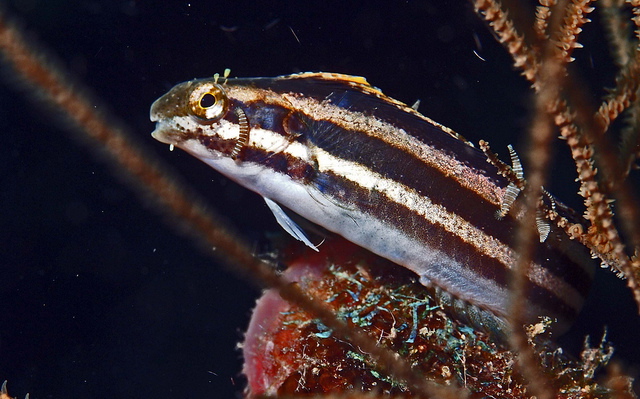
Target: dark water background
column 98, row 296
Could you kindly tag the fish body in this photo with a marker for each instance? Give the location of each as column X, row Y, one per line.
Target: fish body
column 338, row 152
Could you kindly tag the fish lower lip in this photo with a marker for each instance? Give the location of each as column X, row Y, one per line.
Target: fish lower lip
column 162, row 134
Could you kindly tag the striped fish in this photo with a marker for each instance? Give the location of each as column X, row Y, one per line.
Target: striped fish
column 338, row 152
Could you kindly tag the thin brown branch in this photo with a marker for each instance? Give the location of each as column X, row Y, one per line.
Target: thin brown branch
column 523, row 56
column 575, row 18
column 636, row 16
column 617, row 28
column 623, row 96
column 541, row 136
column 630, row 135
column 503, row 169
column 543, row 132
column 630, row 141
column 543, row 13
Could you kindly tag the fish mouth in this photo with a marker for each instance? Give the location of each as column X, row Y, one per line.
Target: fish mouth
column 163, row 133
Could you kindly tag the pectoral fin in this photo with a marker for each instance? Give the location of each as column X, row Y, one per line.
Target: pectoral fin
column 288, row 224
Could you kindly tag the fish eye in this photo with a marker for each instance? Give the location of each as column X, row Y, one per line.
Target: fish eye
column 209, row 102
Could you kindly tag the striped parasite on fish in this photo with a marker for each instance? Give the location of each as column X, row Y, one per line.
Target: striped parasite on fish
column 338, row 152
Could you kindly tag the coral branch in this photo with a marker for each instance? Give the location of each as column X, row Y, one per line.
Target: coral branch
column 541, row 135
column 567, row 37
column 543, row 13
column 499, row 21
column 630, row 135
column 504, row 169
column 617, row 28
column 625, row 94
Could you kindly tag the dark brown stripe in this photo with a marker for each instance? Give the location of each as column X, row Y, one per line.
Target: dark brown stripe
column 215, row 144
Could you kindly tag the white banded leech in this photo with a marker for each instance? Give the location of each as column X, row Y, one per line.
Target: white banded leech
column 338, row 152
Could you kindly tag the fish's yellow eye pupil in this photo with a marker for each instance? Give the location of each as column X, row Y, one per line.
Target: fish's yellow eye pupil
column 208, row 102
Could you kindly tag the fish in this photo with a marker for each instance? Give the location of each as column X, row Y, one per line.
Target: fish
column 336, row 151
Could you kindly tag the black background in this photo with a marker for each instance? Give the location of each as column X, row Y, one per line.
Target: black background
column 99, row 296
